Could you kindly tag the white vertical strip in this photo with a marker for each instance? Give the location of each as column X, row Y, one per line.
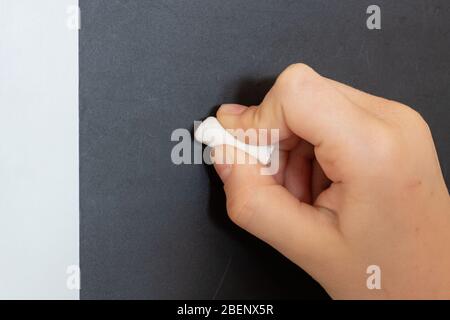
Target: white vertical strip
column 39, row 207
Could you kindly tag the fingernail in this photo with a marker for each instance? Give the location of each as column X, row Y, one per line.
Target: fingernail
column 232, row 109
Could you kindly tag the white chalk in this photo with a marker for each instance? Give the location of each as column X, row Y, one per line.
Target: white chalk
column 211, row 133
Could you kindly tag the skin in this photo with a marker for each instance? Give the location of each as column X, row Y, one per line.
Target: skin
column 359, row 184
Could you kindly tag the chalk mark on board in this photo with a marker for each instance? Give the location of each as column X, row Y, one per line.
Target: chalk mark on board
column 222, row 279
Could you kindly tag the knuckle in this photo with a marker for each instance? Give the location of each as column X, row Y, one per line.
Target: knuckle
column 295, row 76
column 393, row 141
column 411, row 119
column 416, row 120
column 242, row 207
column 238, row 209
column 386, row 147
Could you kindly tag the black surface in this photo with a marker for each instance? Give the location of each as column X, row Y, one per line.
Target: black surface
column 151, row 229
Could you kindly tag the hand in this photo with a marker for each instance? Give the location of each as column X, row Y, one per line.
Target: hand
column 359, row 184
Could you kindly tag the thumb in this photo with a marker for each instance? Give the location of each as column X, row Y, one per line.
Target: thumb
column 258, row 204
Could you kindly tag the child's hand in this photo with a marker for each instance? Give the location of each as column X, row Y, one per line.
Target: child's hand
column 359, row 184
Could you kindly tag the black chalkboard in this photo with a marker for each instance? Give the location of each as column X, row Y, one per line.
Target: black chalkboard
column 151, row 229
